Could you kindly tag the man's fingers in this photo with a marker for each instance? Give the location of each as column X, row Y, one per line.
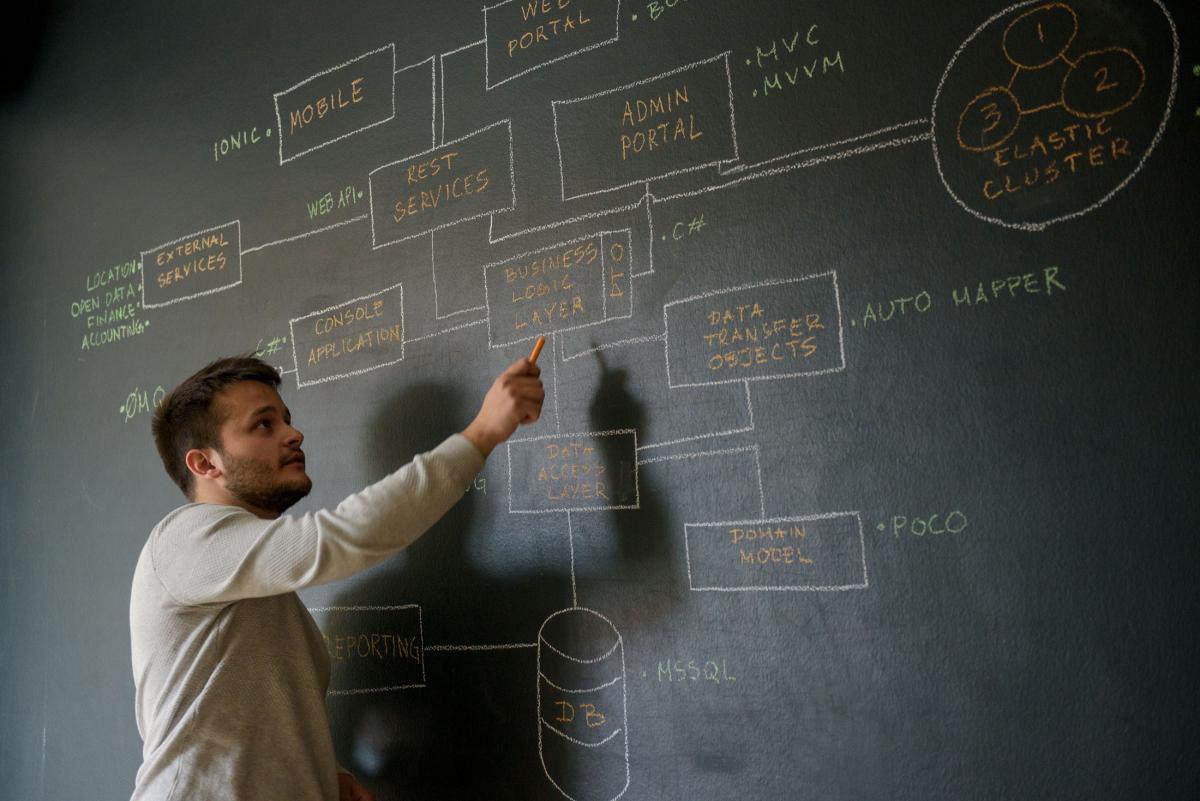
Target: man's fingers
column 528, row 401
column 523, row 388
column 528, row 388
column 523, row 367
column 530, row 412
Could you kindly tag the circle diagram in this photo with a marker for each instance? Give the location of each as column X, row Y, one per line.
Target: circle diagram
column 1040, row 36
column 1049, row 109
column 1103, row 82
column 988, row 120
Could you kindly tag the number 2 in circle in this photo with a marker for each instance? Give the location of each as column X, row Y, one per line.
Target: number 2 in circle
column 1102, row 84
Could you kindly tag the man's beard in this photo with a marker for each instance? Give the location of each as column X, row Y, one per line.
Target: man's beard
column 255, row 484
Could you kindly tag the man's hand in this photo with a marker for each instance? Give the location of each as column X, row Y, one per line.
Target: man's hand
column 515, row 398
column 350, row 790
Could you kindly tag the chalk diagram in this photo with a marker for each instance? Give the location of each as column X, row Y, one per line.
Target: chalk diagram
column 1047, row 138
column 1049, row 88
column 1033, row 42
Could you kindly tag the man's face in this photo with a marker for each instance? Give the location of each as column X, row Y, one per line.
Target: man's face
column 260, row 457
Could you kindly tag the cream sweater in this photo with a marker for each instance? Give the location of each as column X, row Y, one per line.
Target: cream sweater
column 229, row 667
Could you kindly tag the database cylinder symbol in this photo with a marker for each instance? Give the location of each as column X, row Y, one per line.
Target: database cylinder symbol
column 582, row 734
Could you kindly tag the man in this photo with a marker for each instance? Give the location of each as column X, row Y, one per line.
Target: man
column 230, row 669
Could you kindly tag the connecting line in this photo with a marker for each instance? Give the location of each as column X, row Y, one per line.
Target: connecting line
column 1027, row 112
column 433, row 269
column 739, row 168
column 446, row 331
column 730, row 432
column 433, row 117
column 858, row 151
column 619, row 343
column 492, row 239
column 697, row 454
column 433, row 99
column 408, row 67
column 648, row 199
column 571, row 542
column 442, row 82
column 762, row 502
column 762, row 498
column 554, row 355
column 505, row 647
column 359, row 218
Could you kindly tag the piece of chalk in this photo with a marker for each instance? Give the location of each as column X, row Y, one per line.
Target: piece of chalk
column 537, row 349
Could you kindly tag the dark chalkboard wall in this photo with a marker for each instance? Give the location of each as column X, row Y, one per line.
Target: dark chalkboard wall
column 868, row 462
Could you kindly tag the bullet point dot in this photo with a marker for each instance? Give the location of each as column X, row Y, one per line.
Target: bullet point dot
column 268, row 132
column 664, row 237
column 754, row 93
column 634, row 18
column 747, row 62
column 880, row 526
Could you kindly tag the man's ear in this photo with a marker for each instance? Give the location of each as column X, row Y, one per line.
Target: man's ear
column 203, row 463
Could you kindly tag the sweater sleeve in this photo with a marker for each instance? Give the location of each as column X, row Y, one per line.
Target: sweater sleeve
column 219, row 554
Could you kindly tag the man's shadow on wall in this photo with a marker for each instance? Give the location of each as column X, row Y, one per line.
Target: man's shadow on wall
column 459, row 732
column 640, row 533
column 471, row 731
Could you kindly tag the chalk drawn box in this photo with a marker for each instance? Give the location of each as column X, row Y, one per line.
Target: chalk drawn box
column 191, row 266
column 669, row 124
column 519, row 42
column 810, row 553
column 563, row 287
column 462, row 180
column 582, row 472
column 373, row 648
column 336, row 103
column 349, row 338
column 785, row 328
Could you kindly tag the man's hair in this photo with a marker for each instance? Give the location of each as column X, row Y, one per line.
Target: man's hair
column 187, row 418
